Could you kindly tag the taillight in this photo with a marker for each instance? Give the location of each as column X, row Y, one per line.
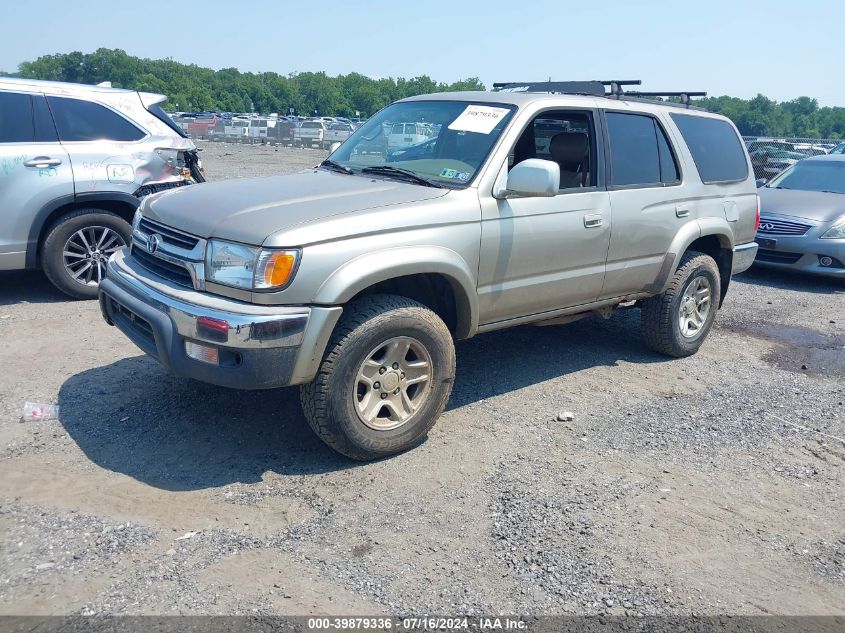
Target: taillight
column 757, row 219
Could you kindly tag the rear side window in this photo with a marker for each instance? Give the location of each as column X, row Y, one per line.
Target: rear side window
column 16, row 121
column 715, row 148
column 78, row 120
column 640, row 154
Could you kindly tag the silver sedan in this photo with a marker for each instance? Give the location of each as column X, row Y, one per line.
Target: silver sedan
column 802, row 218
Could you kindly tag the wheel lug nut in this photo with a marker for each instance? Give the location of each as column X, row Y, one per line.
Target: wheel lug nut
column 381, row 370
column 395, row 365
column 377, row 385
column 383, row 396
column 396, row 391
column 402, row 374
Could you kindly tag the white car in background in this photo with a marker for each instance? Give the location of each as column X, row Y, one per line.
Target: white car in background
column 405, row 134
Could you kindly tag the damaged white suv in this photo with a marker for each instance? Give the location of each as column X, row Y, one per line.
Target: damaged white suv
column 75, row 162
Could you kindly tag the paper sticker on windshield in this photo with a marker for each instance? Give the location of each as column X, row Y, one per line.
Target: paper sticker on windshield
column 463, row 176
column 477, row 118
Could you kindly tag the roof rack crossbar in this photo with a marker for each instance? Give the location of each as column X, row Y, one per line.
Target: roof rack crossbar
column 595, row 88
column 685, row 95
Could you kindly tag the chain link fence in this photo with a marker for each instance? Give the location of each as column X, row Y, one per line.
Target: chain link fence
column 770, row 156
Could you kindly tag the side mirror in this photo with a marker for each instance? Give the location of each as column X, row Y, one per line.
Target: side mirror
column 333, row 147
column 760, row 182
column 531, row 178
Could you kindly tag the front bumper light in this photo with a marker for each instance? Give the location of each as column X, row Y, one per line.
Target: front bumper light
column 250, row 268
column 836, row 232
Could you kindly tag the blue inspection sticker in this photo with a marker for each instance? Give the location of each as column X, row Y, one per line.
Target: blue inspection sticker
column 454, row 174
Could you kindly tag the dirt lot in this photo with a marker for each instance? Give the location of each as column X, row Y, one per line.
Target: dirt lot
column 706, row 485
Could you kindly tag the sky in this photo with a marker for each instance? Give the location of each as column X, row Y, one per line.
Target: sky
column 780, row 48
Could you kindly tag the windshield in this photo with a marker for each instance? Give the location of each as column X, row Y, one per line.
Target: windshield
column 809, row 175
column 444, row 142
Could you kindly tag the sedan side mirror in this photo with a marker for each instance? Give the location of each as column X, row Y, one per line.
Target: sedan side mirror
column 531, row 178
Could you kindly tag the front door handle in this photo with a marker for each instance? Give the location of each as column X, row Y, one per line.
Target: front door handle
column 592, row 221
column 42, row 162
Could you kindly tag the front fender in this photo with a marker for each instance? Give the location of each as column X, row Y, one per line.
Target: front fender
column 367, row 270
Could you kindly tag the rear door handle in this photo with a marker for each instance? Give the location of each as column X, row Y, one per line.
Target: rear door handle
column 592, row 221
column 682, row 212
column 42, row 162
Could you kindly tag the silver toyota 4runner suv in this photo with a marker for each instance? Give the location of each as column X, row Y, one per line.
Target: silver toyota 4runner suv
column 75, row 160
column 354, row 278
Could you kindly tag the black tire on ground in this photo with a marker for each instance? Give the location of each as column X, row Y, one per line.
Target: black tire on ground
column 53, row 244
column 660, row 315
column 329, row 401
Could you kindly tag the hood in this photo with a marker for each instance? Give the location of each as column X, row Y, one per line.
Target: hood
column 811, row 205
column 248, row 210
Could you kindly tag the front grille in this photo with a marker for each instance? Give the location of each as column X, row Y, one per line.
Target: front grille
column 769, row 226
column 172, row 272
column 168, row 235
column 777, row 257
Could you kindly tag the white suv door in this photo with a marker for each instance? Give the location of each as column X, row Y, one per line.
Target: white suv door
column 35, row 172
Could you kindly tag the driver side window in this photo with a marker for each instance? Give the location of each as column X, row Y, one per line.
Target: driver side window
column 562, row 136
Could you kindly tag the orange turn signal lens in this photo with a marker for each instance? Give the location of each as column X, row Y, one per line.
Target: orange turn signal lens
column 275, row 268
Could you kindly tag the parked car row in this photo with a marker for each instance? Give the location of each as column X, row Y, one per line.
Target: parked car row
column 272, row 129
column 770, row 157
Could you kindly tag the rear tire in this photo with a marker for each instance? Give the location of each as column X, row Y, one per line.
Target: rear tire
column 77, row 246
column 384, row 380
column 676, row 322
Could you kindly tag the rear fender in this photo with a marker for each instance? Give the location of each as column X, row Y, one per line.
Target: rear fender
column 686, row 236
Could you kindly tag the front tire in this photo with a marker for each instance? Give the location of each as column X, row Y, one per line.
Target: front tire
column 385, row 378
column 75, row 251
column 676, row 322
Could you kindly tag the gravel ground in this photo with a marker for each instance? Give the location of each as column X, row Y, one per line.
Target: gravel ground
column 708, row 485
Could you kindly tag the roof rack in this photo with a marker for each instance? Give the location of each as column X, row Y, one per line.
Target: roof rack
column 596, row 88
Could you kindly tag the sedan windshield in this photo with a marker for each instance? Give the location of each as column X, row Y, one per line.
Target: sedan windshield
column 813, row 175
column 442, row 143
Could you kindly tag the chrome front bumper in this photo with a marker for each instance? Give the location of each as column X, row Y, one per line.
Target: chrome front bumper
column 259, row 347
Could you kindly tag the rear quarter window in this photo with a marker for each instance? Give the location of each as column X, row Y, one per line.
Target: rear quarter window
column 78, row 120
column 715, row 148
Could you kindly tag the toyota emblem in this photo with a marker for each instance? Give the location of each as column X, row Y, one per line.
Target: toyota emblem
column 153, row 242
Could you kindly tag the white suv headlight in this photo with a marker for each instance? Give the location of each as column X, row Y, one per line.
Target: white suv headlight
column 837, row 231
column 247, row 267
column 136, row 219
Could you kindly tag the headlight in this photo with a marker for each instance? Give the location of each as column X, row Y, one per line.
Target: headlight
column 249, row 267
column 837, row 231
column 136, row 219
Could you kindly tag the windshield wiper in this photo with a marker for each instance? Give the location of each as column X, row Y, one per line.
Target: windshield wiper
column 389, row 170
column 330, row 164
